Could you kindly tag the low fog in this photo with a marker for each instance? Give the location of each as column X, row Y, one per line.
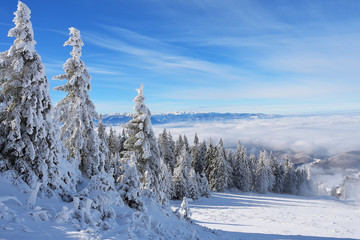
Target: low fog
column 321, row 135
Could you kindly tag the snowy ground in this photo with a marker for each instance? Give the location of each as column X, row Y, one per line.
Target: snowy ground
column 273, row 216
column 230, row 215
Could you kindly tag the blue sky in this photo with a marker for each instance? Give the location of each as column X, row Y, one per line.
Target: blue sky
column 269, row 56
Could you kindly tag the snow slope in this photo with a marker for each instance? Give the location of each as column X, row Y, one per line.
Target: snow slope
column 19, row 221
column 226, row 216
column 273, row 216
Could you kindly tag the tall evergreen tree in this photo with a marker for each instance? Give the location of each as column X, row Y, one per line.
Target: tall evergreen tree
column 178, row 146
column 113, row 142
column 278, row 173
column 104, row 147
column 166, row 178
column 198, row 163
column 165, row 150
column 162, row 142
column 77, row 112
column 203, row 184
column 129, row 182
column 246, row 171
column 242, row 169
column 253, row 165
column 29, row 145
column 237, row 167
column 262, row 174
column 193, row 186
column 101, row 130
column 210, row 156
column 121, row 141
column 202, row 157
column 230, row 170
column 171, row 147
column 186, row 143
column 289, row 177
column 264, row 177
column 218, row 178
column 303, row 183
column 141, row 140
column 228, row 164
column 181, row 175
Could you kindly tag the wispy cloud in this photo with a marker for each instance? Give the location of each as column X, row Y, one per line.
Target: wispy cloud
column 156, row 54
column 104, row 70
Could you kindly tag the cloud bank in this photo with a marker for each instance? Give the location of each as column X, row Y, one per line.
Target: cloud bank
column 321, row 135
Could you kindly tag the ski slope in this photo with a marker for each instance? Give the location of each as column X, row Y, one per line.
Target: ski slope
column 273, row 216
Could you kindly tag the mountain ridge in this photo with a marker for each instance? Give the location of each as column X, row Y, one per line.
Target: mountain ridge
column 162, row 118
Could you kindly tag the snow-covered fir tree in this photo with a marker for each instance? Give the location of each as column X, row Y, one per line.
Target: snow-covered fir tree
column 199, row 153
column 196, row 140
column 237, row 167
column 210, row 156
column 303, row 185
column 181, row 175
column 171, row 147
column 277, row 170
column 289, row 177
column 167, row 180
column 141, row 140
column 262, row 182
column 218, row 178
column 101, row 130
column 178, row 145
column 122, row 139
column 193, row 186
column 162, row 143
column 113, row 142
column 230, row 169
column 253, row 165
column 204, row 189
column 264, row 178
column 186, row 143
column 104, row 147
column 129, row 182
column 165, row 150
column 242, row 169
column 77, row 112
column 29, row 138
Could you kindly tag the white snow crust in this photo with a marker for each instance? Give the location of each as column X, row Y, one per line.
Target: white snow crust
column 275, row 216
column 224, row 216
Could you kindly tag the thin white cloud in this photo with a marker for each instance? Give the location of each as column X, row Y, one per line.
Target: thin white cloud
column 102, row 70
column 158, row 55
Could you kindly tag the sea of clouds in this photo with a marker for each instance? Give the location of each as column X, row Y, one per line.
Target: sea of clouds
column 317, row 135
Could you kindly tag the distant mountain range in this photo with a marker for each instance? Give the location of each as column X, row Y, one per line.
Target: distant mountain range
column 121, row 118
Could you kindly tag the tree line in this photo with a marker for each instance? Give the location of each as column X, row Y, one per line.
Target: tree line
column 197, row 169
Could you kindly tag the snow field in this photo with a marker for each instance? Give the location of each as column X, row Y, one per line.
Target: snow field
column 271, row 216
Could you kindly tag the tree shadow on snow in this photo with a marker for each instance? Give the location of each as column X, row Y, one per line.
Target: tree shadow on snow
column 230, row 200
column 263, row 236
